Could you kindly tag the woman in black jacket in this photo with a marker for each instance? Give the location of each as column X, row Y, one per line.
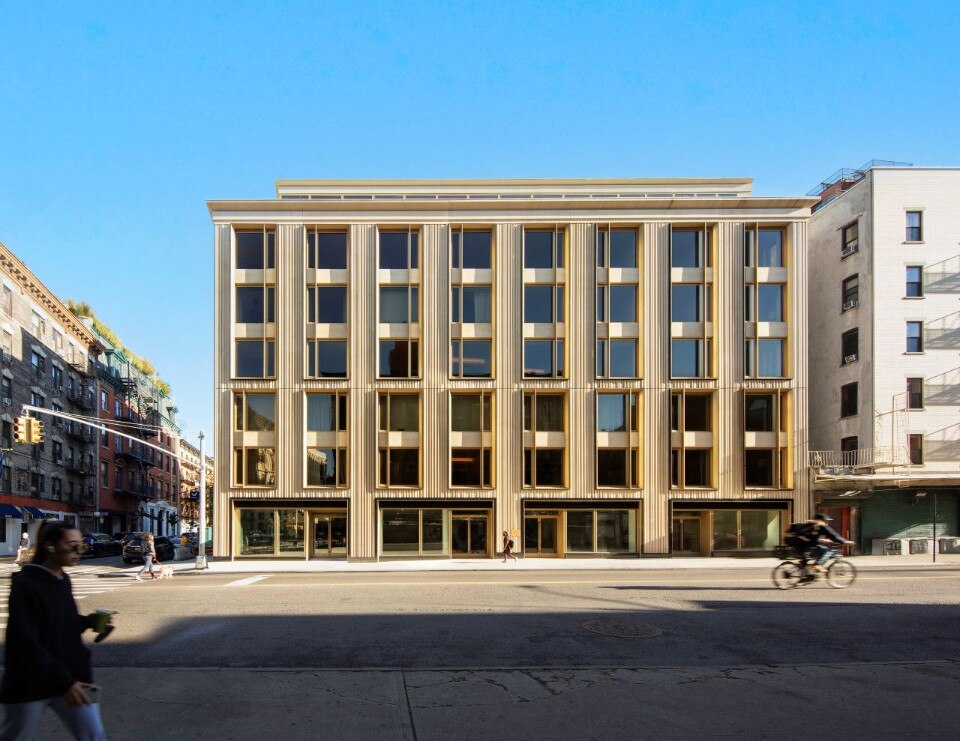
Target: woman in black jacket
column 46, row 663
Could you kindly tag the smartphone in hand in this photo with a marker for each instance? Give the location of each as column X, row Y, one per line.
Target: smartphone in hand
column 93, row 692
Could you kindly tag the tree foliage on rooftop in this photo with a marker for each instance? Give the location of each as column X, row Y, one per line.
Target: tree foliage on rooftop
column 83, row 309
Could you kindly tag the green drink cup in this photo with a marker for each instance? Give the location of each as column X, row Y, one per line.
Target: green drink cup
column 100, row 619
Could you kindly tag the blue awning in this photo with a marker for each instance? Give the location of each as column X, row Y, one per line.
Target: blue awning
column 35, row 513
column 8, row 510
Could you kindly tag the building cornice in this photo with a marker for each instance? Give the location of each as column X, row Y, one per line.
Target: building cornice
column 14, row 267
column 566, row 205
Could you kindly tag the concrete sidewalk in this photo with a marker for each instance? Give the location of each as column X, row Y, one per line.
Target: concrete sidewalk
column 538, row 564
column 860, row 701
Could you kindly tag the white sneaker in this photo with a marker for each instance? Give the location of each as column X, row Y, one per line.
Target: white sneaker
column 137, row 577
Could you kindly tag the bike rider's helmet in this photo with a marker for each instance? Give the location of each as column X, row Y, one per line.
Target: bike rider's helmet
column 822, row 517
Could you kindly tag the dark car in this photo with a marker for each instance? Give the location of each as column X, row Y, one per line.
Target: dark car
column 133, row 549
column 125, row 538
column 101, row 544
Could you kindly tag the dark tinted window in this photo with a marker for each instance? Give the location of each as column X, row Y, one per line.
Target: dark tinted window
column 538, row 249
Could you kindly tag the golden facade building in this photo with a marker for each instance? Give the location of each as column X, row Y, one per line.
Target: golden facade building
column 596, row 367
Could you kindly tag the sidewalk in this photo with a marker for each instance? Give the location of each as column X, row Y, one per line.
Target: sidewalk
column 328, row 566
column 861, row 701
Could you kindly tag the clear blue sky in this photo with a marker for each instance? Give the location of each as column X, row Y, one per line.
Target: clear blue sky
column 118, row 122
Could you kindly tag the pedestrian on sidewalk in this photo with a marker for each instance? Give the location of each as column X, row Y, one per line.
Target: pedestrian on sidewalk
column 46, row 663
column 23, row 552
column 149, row 551
column 507, row 547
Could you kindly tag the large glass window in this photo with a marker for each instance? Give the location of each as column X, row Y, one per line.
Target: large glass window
column 623, row 303
column 759, row 415
column 687, row 358
column 255, row 467
column 770, row 358
column 470, row 304
column 542, row 304
column 601, row 531
column 758, row 468
column 327, row 358
column 616, row 412
column 770, row 249
column 326, row 467
column 326, row 250
column 255, row 249
column 471, row 412
column 416, row 532
column 471, row 250
column 254, row 359
column 914, row 393
column 850, row 241
column 687, row 248
column 543, row 466
column 770, row 302
column 399, row 359
column 399, row 412
column 685, row 302
column 326, row 412
column 400, row 467
column 690, row 466
column 399, row 250
column 327, row 304
column 470, row 467
column 257, row 532
column 254, row 412
column 255, row 304
column 399, row 304
column 542, row 248
column 543, row 358
column 471, row 358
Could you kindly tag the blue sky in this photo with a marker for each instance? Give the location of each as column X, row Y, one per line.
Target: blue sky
column 118, row 121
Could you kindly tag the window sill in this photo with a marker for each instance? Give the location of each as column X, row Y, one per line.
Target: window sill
column 913, row 298
column 917, row 352
column 849, row 416
column 913, row 241
column 849, row 255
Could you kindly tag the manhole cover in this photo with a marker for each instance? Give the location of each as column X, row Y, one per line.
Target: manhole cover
column 622, row 629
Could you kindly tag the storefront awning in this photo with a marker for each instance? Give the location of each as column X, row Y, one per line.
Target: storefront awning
column 34, row 512
column 8, row 510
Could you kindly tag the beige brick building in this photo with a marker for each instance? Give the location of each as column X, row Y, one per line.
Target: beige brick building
column 596, row 367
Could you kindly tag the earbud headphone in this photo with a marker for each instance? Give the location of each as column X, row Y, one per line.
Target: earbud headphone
column 51, row 549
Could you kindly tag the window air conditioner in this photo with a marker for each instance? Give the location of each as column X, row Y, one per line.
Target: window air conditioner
column 847, row 251
column 850, row 359
column 7, row 401
column 851, row 304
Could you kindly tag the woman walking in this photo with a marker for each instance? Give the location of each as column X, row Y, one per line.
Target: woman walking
column 149, row 555
column 23, row 552
column 507, row 547
column 46, row 663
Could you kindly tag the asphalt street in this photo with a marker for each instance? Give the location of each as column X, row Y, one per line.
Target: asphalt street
column 599, row 654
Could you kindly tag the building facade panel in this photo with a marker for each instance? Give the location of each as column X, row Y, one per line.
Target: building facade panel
column 409, row 488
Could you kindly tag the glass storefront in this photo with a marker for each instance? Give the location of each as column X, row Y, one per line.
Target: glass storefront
column 415, row 532
column 726, row 530
column 289, row 532
column 601, row 531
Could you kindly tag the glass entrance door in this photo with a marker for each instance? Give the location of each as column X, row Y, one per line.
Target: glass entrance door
column 686, row 535
column 329, row 535
column 540, row 535
column 469, row 535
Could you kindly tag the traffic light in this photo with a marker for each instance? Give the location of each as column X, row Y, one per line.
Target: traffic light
column 21, row 429
column 36, row 434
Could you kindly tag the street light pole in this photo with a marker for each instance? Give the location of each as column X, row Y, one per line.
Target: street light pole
column 202, row 535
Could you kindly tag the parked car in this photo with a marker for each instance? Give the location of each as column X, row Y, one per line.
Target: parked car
column 101, row 544
column 125, row 538
column 133, row 550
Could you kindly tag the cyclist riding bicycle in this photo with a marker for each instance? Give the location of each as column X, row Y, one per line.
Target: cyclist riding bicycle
column 810, row 539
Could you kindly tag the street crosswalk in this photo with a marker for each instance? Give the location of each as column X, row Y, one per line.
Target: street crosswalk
column 86, row 582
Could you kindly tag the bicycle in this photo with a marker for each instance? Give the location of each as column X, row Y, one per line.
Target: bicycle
column 796, row 570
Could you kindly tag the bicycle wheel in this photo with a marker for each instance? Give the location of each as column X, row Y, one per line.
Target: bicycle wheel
column 787, row 575
column 841, row 574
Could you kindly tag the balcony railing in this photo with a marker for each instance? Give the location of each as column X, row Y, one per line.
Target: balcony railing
column 848, row 461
